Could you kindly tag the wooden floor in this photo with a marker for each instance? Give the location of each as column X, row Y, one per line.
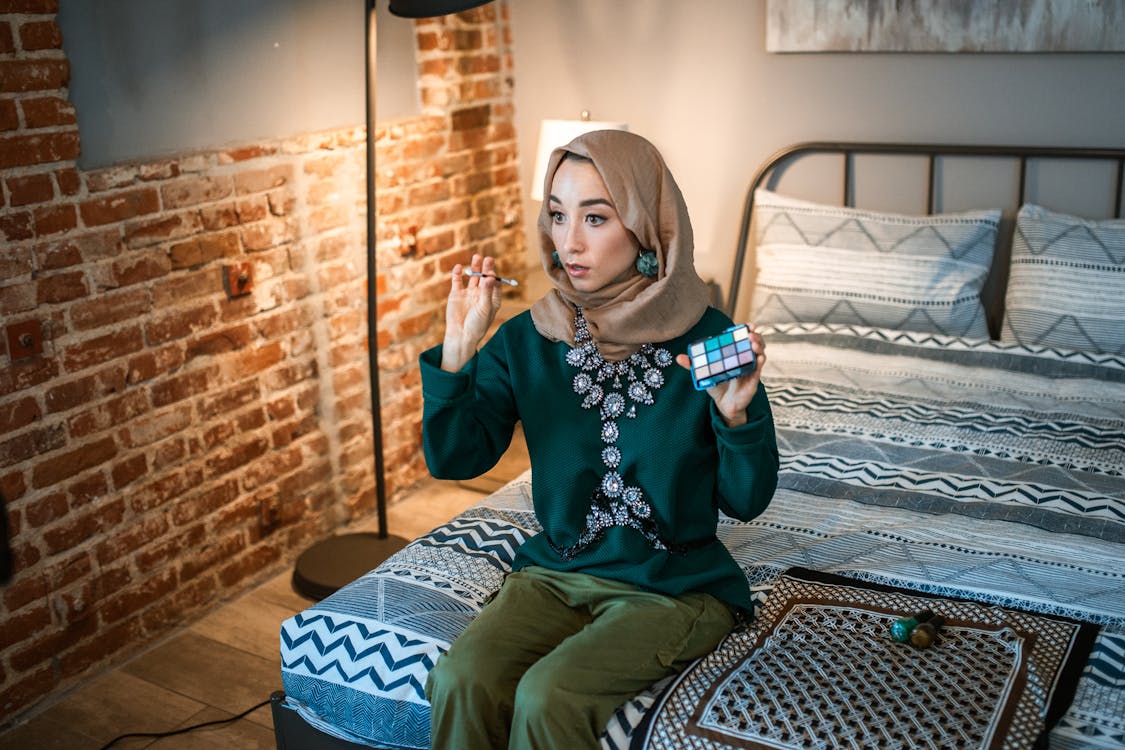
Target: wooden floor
column 224, row 663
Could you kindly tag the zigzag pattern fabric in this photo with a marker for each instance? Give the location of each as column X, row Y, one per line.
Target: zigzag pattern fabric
column 827, row 264
column 1067, row 283
column 956, row 467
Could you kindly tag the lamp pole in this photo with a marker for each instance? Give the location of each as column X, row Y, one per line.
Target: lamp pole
column 334, row 562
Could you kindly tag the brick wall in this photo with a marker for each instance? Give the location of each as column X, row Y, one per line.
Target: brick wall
column 177, row 440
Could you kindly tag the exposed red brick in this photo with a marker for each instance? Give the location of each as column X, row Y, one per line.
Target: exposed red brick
column 150, row 364
column 219, row 342
column 151, row 428
column 20, row 76
column 192, row 191
column 128, row 538
column 263, row 235
column 31, row 443
column 162, row 170
column 149, row 231
column 107, row 414
column 64, row 465
column 38, row 35
column 26, row 374
column 69, row 180
column 38, row 148
column 37, row 7
column 16, row 262
column 252, row 209
column 83, row 390
column 24, row 590
column 46, row 508
column 61, row 287
column 263, row 179
column 24, row 690
column 180, row 324
column 469, row 118
column 87, row 489
column 200, row 250
column 219, row 216
column 19, row 413
column 16, row 226
column 245, row 153
column 48, row 112
column 13, row 486
column 253, row 562
column 140, row 267
column 54, row 219
column 169, row 549
column 110, row 178
column 102, row 349
column 182, row 386
column 211, row 553
column 110, row 308
column 9, row 115
column 33, row 188
column 152, row 588
column 119, row 206
column 73, row 250
column 198, row 505
column 7, row 38
column 93, row 651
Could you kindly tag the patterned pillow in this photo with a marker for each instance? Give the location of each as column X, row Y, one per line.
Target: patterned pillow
column 1067, row 285
column 826, row 264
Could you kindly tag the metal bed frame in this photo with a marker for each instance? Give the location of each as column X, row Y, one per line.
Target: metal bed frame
column 776, row 163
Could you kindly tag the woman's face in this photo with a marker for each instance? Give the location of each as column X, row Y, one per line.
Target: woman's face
column 593, row 245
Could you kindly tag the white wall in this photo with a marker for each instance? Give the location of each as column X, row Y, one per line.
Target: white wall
column 695, row 79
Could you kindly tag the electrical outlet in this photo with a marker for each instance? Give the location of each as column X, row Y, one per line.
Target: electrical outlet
column 25, row 340
column 238, row 279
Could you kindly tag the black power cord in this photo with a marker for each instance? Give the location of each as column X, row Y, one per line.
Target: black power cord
column 192, row 728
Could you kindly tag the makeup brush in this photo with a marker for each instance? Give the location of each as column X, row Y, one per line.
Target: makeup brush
column 509, row 282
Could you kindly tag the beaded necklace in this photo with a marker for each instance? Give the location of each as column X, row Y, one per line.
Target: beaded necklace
column 616, row 389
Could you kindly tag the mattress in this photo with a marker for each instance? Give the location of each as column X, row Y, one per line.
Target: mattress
column 947, row 467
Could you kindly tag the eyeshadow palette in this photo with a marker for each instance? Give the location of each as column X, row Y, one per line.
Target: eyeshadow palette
column 722, row 357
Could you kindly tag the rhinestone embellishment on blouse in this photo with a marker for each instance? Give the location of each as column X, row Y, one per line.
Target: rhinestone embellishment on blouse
column 616, row 389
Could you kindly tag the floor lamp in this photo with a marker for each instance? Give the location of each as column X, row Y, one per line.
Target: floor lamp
column 334, row 562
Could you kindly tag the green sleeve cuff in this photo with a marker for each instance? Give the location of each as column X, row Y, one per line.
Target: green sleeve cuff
column 743, row 437
column 439, row 385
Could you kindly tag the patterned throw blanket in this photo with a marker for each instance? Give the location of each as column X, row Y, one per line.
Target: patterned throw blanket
column 961, row 469
column 819, row 668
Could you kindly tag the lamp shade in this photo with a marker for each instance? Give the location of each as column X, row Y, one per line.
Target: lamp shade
column 431, row 8
column 555, row 133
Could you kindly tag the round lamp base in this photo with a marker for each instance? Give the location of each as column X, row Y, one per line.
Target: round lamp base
column 331, row 564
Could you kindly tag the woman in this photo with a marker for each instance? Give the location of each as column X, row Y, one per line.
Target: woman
column 627, row 582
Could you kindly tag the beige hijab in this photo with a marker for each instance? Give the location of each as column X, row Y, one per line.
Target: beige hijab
column 638, row 310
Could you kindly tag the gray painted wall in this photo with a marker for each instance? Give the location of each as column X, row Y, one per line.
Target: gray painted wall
column 694, row 77
column 156, row 77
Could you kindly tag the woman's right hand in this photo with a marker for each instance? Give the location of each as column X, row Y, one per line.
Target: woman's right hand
column 471, row 308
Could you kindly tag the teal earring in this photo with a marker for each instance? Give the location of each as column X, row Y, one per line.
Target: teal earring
column 647, row 264
column 555, row 260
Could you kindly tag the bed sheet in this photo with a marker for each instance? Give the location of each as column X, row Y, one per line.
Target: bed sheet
column 955, row 467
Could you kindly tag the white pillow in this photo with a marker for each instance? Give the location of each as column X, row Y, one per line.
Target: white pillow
column 826, row 264
column 1066, row 289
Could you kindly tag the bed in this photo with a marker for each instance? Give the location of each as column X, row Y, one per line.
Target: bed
column 948, row 386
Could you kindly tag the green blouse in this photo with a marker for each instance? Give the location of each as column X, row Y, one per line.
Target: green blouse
column 676, row 450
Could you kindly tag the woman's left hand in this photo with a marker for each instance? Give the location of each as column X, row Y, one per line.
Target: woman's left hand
column 732, row 397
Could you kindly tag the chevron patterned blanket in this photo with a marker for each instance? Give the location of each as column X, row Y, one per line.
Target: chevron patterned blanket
column 958, row 468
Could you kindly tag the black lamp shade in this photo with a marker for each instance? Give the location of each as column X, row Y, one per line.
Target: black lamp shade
column 431, row 8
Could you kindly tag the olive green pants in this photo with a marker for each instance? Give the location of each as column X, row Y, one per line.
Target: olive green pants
column 549, row 660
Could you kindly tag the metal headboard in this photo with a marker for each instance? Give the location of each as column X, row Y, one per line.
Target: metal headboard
column 932, row 152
